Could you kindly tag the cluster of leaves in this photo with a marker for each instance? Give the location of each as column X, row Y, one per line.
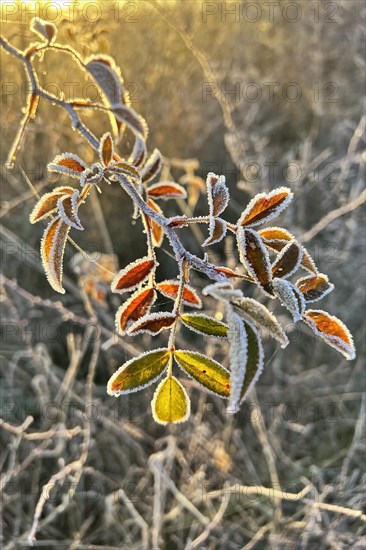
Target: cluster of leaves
column 269, row 256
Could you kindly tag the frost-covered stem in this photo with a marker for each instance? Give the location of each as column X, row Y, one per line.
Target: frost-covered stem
column 178, row 303
column 180, row 252
column 175, row 222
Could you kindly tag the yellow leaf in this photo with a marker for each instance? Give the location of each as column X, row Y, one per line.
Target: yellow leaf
column 203, row 324
column 139, row 372
column 206, row 371
column 171, row 402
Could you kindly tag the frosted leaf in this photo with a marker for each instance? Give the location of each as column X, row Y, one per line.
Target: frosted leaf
column 287, row 261
column 253, row 311
column 139, row 153
column 47, row 204
column 314, row 287
column 332, row 331
column 255, row 258
column 290, row 297
column 108, row 77
column 222, row 291
column 52, row 251
column 238, row 358
column 152, row 167
column 133, row 275
column 265, row 206
column 69, row 164
column 217, row 231
column 134, row 308
column 170, row 288
column 153, row 323
column 106, row 149
column 255, row 360
column 68, row 209
column 139, row 372
column 44, row 29
column 133, row 120
column 167, row 190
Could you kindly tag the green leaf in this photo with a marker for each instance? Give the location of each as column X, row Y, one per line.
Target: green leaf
column 203, row 324
column 213, row 376
column 170, row 402
column 139, row 372
column 253, row 311
column 254, row 361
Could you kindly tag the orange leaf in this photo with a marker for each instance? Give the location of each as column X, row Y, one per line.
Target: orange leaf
column 157, row 231
column 48, row 203
column 314, row 287
column 138, row 305
column 332, row 331
column 287, row 261
column 255, row 258
column 152, row 167
column 52, row 252
column 153, row 323
column 169, row 190
column 133, row 275
column 69, row 164
column 265, row 206
column 228, row 272
column 106, row 149
column 276, row 234
column 170, row 289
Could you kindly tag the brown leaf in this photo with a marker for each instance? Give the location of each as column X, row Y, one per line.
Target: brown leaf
column 332, row 331
column 47, row 204
column 133, row 275
column 314, row 287
column 170, row 289
column 138, row 155
column 265, row 206
column 276, row 238
column 287, row 261
column 255, row 258
column 68, row 209
column 152, row 167
column 157, row 230
column 44, row 29
column 217, row 231
column 52, row 252
column 217, row 194
column 133, row 309
column 169, row 190
column 152, row 323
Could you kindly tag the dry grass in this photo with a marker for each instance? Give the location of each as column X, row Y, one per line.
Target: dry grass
column 83, row 470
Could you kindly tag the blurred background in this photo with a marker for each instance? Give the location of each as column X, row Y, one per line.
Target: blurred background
column 269, row 94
